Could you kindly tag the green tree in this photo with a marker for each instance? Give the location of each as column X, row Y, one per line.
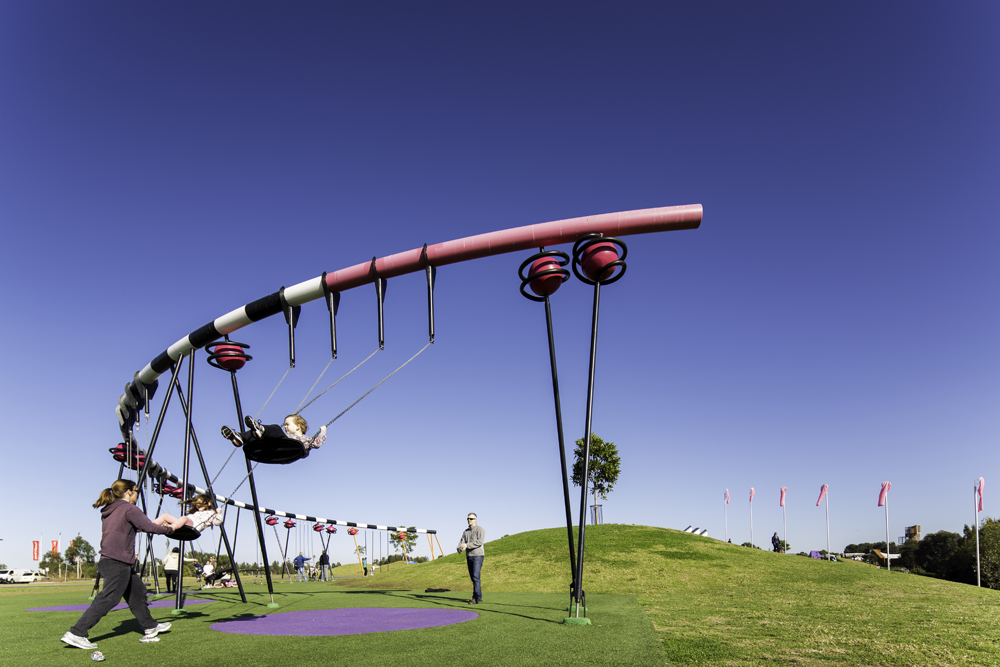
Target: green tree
column 50, row 561
column 80, row 548
column 605, row 466
column 409, row 540
column 989, row 552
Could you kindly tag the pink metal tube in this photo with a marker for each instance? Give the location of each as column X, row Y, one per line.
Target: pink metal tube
column 644, row 221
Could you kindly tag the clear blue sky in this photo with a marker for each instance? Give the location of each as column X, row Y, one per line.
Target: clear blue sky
column 833, row 320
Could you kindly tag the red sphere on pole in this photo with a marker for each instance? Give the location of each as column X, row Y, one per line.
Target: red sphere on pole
column 596, row 259
column 230, row 357
column 544, row 285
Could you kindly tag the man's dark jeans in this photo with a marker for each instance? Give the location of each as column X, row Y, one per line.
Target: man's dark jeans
column 475, row 564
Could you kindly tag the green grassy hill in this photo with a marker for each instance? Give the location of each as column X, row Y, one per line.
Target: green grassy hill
column 717, row 603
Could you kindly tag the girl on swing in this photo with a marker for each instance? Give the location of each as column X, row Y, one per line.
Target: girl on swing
column 295, row 427
column 201, row 518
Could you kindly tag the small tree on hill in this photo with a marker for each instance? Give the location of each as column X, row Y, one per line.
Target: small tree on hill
column 407, row 542
column 605, row 466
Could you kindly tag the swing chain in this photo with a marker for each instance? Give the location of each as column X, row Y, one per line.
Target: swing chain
column 378, row 385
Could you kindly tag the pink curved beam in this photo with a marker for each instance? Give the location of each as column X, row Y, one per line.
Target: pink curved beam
column 643, row 221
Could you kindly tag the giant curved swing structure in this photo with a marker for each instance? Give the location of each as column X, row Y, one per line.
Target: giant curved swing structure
column 598, row 259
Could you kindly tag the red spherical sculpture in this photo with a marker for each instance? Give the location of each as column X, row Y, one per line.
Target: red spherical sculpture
column 596, row 259
column 331, row 529
column 352, row 531
column 544, row 285
column 230, row 357
column 402, row 535
column 271, row 520
column 289, row 524
column 318, row 527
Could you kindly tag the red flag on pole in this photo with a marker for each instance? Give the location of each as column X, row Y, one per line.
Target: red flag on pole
column 822, row 494
column 727, row 496
column 982, row 484
column 882, row 494
column 55, row 546
column 782, row 502
column 751, row 494
column 35, row 546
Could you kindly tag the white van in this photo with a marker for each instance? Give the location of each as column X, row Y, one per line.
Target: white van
column 6, row 576
column 26, row 576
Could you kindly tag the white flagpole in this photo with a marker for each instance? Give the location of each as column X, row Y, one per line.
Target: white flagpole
column 727, row 521
column 828, row 523
column 751, row 524
column 888, row 559
column 975, row 506
column 784, row 522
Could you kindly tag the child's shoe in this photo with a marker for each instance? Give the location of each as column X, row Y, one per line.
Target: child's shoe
column 254, row 426
column 230, row 434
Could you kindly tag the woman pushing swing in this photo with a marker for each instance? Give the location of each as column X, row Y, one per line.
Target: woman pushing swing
column 120, row 521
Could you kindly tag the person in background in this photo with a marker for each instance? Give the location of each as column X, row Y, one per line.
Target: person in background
column 324, row 566
column 300, row 566
column 171, row 566
column 472, row 544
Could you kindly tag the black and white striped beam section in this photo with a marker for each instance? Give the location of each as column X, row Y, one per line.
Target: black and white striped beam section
column 156, row 469
column 623, row 223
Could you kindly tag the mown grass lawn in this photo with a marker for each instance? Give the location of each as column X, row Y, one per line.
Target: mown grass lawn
column 655, row 597
column 720, row 604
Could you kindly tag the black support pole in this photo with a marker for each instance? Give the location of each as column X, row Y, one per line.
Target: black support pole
column 211, row 493
column 253, row 494
column 586, row 447
column 562, row 441
column 159, row 422
column 179, row 603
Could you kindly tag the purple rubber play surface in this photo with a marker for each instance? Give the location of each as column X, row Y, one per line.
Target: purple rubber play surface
column 170, row 602
column 350, row 621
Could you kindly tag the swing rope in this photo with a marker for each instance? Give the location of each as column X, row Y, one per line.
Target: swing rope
column 273, row 392
column 303, row 407
column 325, row 368
column 378, row 385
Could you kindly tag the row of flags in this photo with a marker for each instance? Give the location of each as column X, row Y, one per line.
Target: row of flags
column 36, row 547
column 882, row 496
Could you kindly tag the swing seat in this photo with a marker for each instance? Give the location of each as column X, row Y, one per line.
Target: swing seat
column 273, row 447
column 184, row 534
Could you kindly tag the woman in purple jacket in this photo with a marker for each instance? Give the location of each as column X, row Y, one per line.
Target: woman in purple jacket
column 120, row 520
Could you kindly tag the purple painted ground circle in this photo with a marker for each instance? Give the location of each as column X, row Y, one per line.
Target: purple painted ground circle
column 349, row 621
column 121, row 605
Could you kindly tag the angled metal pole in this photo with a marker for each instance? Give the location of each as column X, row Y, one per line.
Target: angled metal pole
column 159, row 421
column 546, row 275
column 586, row 448
column 211, row 493
column 179, row 599
column 562, row 441
column 253, row 494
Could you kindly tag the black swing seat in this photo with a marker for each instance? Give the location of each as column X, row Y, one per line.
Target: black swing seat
column 184, row 534
column 273, row 447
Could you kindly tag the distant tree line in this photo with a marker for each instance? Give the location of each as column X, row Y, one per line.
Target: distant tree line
column 947, row 555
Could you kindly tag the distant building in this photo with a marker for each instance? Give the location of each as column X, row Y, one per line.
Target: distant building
column 912, row 532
